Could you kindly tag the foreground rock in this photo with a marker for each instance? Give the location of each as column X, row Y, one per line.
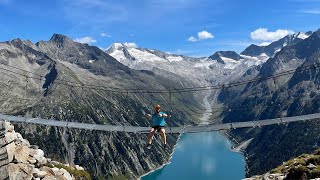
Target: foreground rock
column 23, row 161
column 304, row 167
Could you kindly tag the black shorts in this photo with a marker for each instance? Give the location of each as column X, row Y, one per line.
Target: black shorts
column 158, row 128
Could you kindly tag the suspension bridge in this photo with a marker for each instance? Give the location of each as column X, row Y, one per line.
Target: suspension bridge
column 178, row 129
column 139, row 129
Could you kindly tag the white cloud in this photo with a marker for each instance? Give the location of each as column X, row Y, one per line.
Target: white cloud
column 87, row 40
column 312, row 11
column 105, row 35
column 205, row 35
column 201, row 36
column 263, row 34
column 192, row 39
column 130, row 44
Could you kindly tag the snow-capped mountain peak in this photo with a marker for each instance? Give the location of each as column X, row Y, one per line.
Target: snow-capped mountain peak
column 274, row 47
column 130, row 55
column 225, row 56
column 119, row 47
column 218, row 67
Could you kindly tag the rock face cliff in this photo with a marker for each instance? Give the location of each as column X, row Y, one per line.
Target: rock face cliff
column 21, row 161
column 291, row 94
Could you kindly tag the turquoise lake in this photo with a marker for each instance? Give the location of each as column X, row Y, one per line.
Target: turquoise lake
column 202, row 156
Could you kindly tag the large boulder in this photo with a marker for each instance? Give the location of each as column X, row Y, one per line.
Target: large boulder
column 38, row 154
column 21, row 154
column 10, row 128
column 11, row 151
column 20, row 171
column 32, row 160
column 39, row 174
column 66, row 174
column 11, row 136
column 22, row 141
column 49, row 171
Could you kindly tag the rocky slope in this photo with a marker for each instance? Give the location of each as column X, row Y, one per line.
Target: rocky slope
column 305, row 166
column 289, row 95
column 69, row 81
column 20, row 160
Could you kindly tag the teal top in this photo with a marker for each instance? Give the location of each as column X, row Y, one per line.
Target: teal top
column 158, row 121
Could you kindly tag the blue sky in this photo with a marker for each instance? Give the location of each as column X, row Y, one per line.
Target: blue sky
column 190, row 27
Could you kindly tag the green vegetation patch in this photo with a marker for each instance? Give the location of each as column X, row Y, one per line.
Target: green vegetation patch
column 297, row 168
column 78, row 174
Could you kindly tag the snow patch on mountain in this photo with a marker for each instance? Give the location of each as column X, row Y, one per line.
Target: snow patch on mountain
column 302, row 35
column 204, row 63
column 142, row 56
column 230, row 63
column 174, row 58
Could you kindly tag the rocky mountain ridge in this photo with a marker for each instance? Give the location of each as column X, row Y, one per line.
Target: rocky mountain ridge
column 292, row 94
column 220, row 67
column 274, row 47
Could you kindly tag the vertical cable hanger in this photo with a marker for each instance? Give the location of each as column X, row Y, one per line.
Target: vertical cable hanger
column 40, row 84
column 26, row 95
column 315, row 69
column 274, row 82
column 170, row 110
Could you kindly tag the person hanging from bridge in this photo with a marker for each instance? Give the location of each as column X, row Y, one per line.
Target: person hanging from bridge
column 158, row 125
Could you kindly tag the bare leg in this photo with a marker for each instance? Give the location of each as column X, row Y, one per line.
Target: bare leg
column 152, row 131
column 163, row 135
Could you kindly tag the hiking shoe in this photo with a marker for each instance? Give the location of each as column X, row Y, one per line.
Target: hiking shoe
column 149, row 146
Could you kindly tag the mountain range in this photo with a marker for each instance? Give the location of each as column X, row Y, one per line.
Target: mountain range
column 289, row 95
column 221, row 66
column 65, row 80
column 70, row 81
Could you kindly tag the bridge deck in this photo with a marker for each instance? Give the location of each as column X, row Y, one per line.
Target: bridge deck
column 138, row 129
